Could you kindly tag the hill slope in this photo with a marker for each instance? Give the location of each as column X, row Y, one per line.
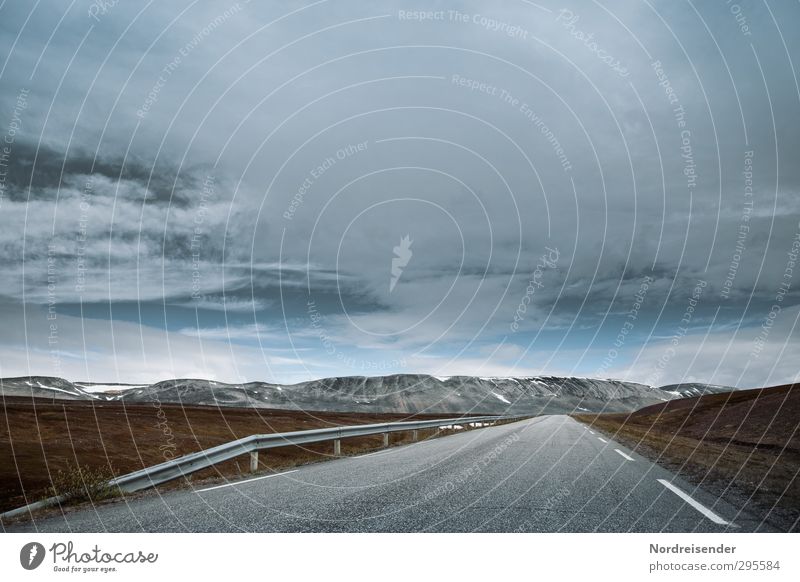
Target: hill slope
column 743, row 443
column 41, row 438
column 399, row 393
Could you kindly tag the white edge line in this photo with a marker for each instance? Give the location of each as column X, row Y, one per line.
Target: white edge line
column 697, row 505
column 602, row 439
column 627, row 457
column 246, row 481
column 383, row 452
column 393, row 448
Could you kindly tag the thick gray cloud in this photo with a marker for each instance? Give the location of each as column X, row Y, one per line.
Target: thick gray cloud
column 259, row 164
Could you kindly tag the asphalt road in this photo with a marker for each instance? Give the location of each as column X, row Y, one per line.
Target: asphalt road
column 546, row 474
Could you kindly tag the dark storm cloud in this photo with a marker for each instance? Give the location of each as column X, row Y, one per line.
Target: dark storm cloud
column 619, row 136
column 40, row 168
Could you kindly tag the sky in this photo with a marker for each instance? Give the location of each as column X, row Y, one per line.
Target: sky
column 297, row 190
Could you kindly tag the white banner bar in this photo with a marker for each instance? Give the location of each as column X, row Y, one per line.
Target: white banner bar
column 400, row 557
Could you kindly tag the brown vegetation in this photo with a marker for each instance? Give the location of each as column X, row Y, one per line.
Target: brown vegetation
column 743, row 443
column 46, row 444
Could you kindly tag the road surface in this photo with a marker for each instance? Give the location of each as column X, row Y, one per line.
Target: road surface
column 545, row 474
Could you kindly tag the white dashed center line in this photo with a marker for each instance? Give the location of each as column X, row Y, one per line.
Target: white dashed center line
column 602, row 439
column 627, row 457
column 697, row 505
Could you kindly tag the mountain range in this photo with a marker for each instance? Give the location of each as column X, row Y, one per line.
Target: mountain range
column 398, row 393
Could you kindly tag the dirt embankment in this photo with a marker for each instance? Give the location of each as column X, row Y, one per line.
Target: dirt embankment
column 39, row 437
column 743, row 444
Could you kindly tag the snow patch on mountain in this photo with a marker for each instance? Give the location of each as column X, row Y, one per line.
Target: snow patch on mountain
column 403, row 393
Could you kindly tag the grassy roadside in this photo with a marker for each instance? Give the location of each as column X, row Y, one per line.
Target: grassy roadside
column 743, row 445
column 48, row 445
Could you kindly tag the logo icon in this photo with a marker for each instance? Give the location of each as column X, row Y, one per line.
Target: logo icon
column 402, row 254
column 31, row 555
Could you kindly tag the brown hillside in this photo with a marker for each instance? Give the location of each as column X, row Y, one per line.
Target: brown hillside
column 744, row 443
column 39, row 437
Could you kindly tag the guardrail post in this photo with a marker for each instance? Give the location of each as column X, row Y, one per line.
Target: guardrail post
column 414, row 435
column 337, row 448
column 186, row 465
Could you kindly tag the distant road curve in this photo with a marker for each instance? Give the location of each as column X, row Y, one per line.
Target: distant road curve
column 544, row 474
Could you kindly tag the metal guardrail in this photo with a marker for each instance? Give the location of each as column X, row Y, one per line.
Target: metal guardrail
column 191, row 463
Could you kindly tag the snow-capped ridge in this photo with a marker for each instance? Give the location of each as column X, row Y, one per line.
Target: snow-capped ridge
column 405, row 393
